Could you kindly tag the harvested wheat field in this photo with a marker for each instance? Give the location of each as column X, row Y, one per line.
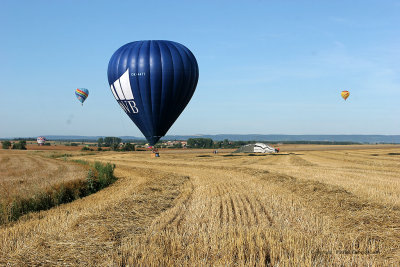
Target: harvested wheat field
column 315, row 207
column 23, row 173
column 53, row 147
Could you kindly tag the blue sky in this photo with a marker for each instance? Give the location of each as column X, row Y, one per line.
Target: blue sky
column 266, row 67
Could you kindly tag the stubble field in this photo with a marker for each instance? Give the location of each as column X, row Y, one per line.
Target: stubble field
column 22, row 173
column 307, row 206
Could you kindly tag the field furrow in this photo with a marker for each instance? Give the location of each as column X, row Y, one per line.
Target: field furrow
column 312, row 208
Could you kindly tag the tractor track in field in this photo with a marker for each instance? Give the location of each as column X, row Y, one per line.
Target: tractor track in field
column 211, row 211
column 235, row 207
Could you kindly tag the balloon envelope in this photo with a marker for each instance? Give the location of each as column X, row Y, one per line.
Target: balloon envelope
column 41, row 140
column 153, row 81
column 345, row 94
column 81, row 94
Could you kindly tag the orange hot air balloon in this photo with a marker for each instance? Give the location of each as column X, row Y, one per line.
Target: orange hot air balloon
column 345, row 94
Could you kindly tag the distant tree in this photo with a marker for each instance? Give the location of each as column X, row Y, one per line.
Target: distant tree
column 117, row 140
column 191, row 142
column 6, row 144
column 115, row 147
column 20, row 145
column 228, row 144
column 100, row 142
column 218, row 144
column 177, row 145
column 128, row 147
column 107, row 141
column 111, row 141
column 200, row 142
column 74, row 144
column 25, row 139
column 86, row 148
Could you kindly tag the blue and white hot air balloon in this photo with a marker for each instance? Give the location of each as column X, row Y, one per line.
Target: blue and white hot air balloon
column 153, row 81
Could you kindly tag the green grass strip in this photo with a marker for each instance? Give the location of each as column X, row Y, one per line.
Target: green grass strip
column 100, row 175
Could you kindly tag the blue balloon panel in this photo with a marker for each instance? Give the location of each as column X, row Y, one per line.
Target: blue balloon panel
column 153, row 81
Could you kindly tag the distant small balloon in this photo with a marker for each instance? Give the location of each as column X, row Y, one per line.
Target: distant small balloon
column 81, row 94
column 41, row 140
column 345, row 94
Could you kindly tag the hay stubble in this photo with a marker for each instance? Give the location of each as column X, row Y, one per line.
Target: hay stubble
column 181, row 209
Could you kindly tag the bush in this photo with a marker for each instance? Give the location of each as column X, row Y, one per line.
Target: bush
column 91, row 183
column 105, row 174
column 6, row 144
column 200, row 143
column 110, row 141
column 58, row 155
column 98, row 177
column 128, row 147
column 178, row 145
column 85, row 148
column 20, row 145
column 80, row 161
column 115, row 147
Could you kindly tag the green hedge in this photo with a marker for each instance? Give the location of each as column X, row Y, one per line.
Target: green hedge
column 99, row 176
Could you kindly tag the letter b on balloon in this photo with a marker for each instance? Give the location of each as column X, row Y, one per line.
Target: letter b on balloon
column 153, row 81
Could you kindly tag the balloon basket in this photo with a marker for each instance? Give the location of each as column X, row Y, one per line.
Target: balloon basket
column 155, row 155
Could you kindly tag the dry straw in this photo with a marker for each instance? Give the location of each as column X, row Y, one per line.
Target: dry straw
column 310, row 208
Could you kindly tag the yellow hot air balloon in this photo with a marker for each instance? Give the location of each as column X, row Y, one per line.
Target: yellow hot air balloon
column 345, row 94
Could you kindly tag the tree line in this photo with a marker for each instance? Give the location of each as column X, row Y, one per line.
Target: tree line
column 16, row 145
column 209, row 143
column 114, row 143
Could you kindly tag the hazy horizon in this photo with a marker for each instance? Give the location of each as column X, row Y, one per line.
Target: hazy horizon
column 265, row 67
column 371, row 139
